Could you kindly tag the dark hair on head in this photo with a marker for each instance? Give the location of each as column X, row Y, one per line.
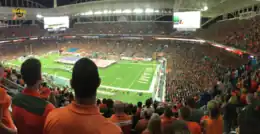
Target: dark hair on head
column 85, row 78
column 168, row 112
column 104, row 101
column 139, row 104
column 185, row 113
column 191, row 102
column 148, row 103
column 44, row 84
column 98, row 101
column 31, row 71
column 110, row 103
column 18, row 76
column 175, row 107
column 134, row 110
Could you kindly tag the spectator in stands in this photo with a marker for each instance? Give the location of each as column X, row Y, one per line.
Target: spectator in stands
column 249, row 118
column 20, row 80
column 196, row 114
column 120, row 118
column 135, row 118
column 139, row 109
column 177, row 127
column 103, row 104
column 154, row 125
column 98, row 102
column 45, row 91
column 85, row 81
column 148, row 105
column 52, row 99
column 6, row 123
column 230, row 114
column 185, row 114
column 29, row 110
column 167, row 117
column 214, row 123
column 108, row 111
column 142, row 124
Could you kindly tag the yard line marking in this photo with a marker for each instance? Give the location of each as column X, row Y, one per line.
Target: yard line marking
column 139, row 74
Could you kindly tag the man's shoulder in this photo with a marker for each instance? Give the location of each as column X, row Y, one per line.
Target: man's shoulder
column 111, row 127
column 31, row 103
column 58, row 112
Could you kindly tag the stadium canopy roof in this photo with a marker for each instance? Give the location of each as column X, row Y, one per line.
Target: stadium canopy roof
column 218, row 7
column 215, row 7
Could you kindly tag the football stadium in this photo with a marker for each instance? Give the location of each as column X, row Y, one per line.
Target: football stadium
column 124, row 80
column 129, row 67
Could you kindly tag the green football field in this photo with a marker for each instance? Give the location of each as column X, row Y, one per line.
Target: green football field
column 125, row 80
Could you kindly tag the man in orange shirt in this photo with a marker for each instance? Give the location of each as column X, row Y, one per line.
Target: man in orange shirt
column 6, row 123
column 167, row 118
column 81, row 116
column 185, row 114
column 29, row 110
column 120, row 118
column 214, row 123
column 45, row 91
column 142, row 124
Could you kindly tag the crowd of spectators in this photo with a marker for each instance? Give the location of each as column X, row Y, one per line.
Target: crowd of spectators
column 142, row 28
column 208, row 91
column 242, row 34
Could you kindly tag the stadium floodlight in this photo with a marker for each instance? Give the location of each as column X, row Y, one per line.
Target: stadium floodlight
column 39, row 16
column 127, row 11
column 117, row 11
column 156, row 11
column 205, row 8
column 149, row 10
column 138, row 10
column 105, row 11
column 98, row 12
column 89, row 13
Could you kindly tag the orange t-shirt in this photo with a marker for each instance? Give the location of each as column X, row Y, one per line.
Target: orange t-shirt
column 213, row 126
column 141, row 125
column 124, row 121
column 165, row 121
column 5, row 101
column 194, row 127
column 79, row 119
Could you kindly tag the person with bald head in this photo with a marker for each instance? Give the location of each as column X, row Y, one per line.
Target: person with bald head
column 120, row 118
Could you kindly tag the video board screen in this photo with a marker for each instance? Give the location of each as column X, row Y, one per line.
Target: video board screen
column 56, row 23
column 189, row 20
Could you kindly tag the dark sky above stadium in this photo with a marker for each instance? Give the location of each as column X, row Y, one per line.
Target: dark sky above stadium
column 49, row 3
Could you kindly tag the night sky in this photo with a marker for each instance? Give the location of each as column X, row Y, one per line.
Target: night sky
column 49, row 3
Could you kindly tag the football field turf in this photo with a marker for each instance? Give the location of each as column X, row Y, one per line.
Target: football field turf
column 125, row 80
